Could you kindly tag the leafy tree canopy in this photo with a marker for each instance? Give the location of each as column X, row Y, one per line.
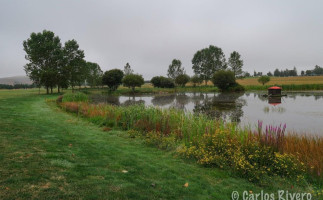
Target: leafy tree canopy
column 208, row 61
column 127, row 69
column 236, row 63
column 44, row 53
column 133, row 80
column 95, row 74
column 182, row 79
column 112, row 78
column 175, row 69
column 224, row 79
column 263, row 79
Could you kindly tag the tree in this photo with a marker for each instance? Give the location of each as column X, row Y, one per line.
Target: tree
column 175, row 69
column 33, row 72
column 112, row 78
column 247, row 74
column 207, row 61
column 318, row 70
column 302, row 73
column 133, row 80
column 236, row 63
column 264, row 79
column 224, row 79
column 75, row 64
column 196, row 80
column 309, row 72
column 276, row 72
column 269, row 74
column 43, row 51
column 182, row 79
column 94, row 77
column 127, row 70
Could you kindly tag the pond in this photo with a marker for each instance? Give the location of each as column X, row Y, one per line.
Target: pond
column 302, row 112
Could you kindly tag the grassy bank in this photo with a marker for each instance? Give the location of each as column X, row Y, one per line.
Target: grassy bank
column 46, row 153
column 255, row 156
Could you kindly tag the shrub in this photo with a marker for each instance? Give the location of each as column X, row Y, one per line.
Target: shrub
column 167, row 83
column 112, row 78
column 236, row 88
column 182, row 79
column 156, row 81
column 162, row 82
column 224, row 79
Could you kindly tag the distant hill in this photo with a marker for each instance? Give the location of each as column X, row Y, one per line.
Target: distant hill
column 15, row 80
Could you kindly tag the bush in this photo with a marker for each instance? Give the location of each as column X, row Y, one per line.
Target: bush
column 236, row 88
column 224, row 80
column 156, row 81
column 112, row 78
column 182, row 79
column 162, row 82
column 167, row 83
column 133, row 80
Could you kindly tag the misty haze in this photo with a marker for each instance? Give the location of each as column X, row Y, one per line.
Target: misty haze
column 143, row 99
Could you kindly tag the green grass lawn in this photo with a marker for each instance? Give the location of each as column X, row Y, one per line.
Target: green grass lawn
column 46, row 153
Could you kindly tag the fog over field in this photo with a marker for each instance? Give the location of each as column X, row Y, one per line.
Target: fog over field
column 149, row 34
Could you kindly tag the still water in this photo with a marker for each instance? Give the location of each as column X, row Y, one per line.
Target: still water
column 302, row 111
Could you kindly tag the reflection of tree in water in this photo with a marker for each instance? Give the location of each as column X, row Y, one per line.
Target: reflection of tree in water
column 291, row 96
column 181, row 100
column 132, row 101
column 197, row 97
column 109, row 99
column 163, row 100
column 261, row 97
column 222, row 106
column 317, row 97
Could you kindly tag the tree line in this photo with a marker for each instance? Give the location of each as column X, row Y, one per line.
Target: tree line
column 205, row 63
column 317, row 71
column 53, row 65
column 16, row 86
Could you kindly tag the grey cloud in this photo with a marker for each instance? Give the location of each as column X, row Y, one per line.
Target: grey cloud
column 149, row 34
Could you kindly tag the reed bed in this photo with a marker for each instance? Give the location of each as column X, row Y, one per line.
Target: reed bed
column 251, row 154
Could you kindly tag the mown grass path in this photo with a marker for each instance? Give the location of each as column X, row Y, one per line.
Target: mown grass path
column 48, row 154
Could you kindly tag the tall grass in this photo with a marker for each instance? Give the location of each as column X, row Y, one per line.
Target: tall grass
column 252, row 154
column 75, row 97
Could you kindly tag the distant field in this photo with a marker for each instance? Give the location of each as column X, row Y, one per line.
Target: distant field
column 298, row 80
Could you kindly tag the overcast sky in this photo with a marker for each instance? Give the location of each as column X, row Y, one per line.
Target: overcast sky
column 149, row 34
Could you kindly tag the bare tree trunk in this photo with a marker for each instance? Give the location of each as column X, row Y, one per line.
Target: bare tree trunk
column 47, row 90
column 51, row 89
column 58, row 89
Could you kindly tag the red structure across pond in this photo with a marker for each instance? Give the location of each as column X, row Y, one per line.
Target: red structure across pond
column 275, row 91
